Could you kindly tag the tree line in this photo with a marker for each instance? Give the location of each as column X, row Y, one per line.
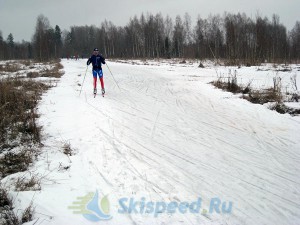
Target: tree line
column 236, row 38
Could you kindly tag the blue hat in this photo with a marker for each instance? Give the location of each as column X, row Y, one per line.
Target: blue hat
column 96, row 49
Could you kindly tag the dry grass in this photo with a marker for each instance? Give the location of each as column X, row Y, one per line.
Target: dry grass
column 255, row 96
column 27, row 215
column 33, row 74
column 11, row 163
column 28, row 184
column 67, row 149
column 273, row 94
column 264, row 96
column 18, row 102
column 18, row 66
column 8, row 216
column 10, row 67
column 282, row 109
column 229, row 83
column 55, row 71
column 18, row 114
column 5, row 200
column 19, row 130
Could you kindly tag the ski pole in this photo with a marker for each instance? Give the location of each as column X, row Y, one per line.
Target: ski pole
column 113, row 76
column 83, row 81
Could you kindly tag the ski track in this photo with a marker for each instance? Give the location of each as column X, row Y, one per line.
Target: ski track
column 169, row 136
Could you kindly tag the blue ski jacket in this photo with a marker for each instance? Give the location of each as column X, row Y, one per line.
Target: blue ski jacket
column 96, row 61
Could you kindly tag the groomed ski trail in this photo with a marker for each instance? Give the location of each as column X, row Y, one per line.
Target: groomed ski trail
column 166, row 137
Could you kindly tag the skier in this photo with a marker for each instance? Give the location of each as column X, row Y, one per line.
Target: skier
column 96, row 59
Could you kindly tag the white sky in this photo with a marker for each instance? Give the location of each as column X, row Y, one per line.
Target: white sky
column 19, row 16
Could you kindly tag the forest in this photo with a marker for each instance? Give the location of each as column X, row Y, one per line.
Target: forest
column 234, row 38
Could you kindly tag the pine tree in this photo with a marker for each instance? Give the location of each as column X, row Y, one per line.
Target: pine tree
column 11, row 45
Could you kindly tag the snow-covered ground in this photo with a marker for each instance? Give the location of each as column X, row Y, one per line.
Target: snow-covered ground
column 166, row 137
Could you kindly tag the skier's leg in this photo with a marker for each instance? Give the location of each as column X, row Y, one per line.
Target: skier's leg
column 101, row 81
column 95, row 81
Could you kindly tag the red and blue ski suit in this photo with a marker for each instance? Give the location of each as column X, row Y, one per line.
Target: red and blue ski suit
column 96, row 61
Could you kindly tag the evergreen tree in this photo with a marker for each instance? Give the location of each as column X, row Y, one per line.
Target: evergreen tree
column 57, row 41
column 11, row 45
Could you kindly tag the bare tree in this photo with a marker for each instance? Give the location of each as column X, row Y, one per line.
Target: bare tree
column 199, row 34
column 178, row 37
column 294, row 37
column 215, row 35
column 188, row 49
column 168, row 34
column 40, row 38
column 235, row 37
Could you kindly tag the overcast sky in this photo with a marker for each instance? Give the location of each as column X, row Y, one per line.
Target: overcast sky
column 19, row 16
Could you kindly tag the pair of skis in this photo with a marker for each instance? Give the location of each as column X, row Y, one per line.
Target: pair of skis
column 95, row 93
